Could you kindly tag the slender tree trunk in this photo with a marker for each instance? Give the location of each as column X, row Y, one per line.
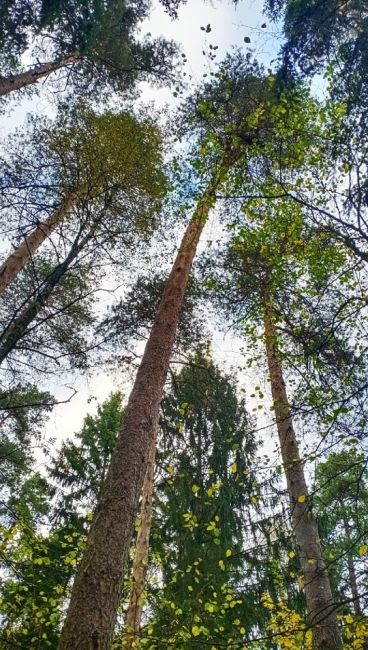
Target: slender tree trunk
column 19, row 326
column 17, row 260
column 96, row 592
column 352, row 574
column 140, row 564
column 354, row 587
column 320, row 604
column 31, row 76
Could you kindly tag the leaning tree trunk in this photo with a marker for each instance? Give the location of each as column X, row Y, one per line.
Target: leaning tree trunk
column 96, row 592
column 18, row 328
column 320, row 605
column 140, row 563
column 31, row 76
column 17, row 260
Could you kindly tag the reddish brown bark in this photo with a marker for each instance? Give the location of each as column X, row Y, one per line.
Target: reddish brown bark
column 17, row 260
column 320, row 604
column 31, row 76
column 96, row 592
column 140, row 564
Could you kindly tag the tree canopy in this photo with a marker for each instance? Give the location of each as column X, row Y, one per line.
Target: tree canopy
column 183, row 329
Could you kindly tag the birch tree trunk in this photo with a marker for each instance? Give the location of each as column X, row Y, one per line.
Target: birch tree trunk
column 320, row 605
column 140, row 564
column 96, row 592
column 31, row 76
column 352, row 574
column 354, row 587
column 17, row 260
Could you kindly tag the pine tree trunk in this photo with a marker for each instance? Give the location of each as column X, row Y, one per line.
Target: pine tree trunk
column 19, row 326
column 17, row 260
column 320, row 605
column 140, row 564
column 31, row 76
column 96, row 592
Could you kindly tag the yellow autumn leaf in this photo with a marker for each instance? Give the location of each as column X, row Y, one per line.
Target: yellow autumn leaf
column 291, row 554
column 221, row 565
column 228, row 552
column 363, row 550
column 302, row 498
column 196, row 630
column 349, row 619
column 234, row 468
column 195, row 489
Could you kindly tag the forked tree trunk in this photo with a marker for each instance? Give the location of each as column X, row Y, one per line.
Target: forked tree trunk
column 320, row 605
column 31, row 76
column 96, row 592
column 140, row 563
column 17, row 260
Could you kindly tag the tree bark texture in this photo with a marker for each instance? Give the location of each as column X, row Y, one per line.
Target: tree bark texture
column 140, row 563
column 354, row 587
column 18, row 328
column 320, row 605
column 17, row 260
column 31, row 76
column 352, row 574
column 96, row 592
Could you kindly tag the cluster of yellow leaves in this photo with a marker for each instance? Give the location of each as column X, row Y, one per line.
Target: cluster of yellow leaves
column 288, row 626
column 212, row 526
column 214, row 488
column 355, row 632
column 190, row 521
column 221, row 604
